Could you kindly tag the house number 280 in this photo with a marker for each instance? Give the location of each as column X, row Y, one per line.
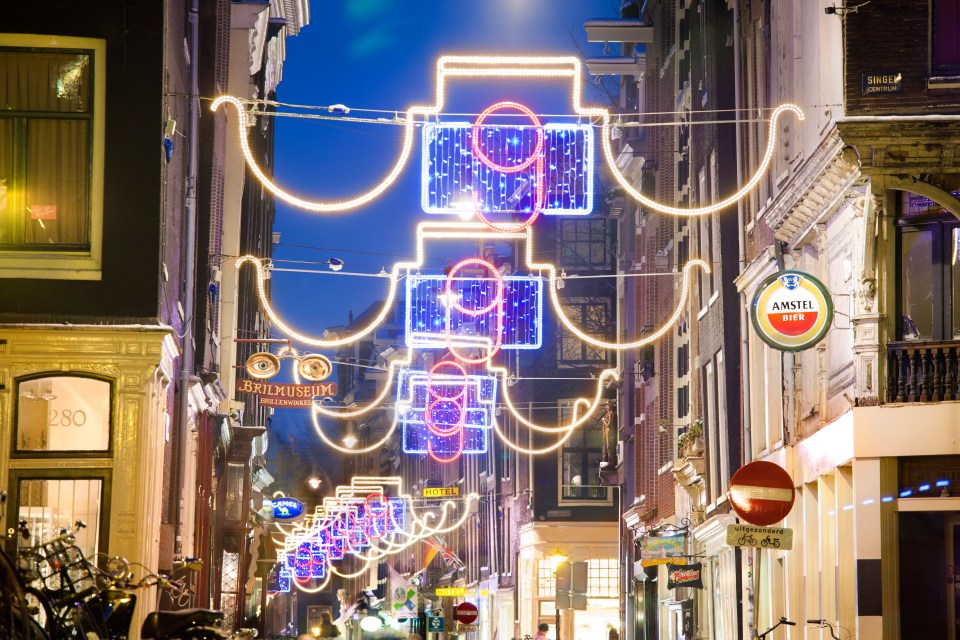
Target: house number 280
column 67, row 418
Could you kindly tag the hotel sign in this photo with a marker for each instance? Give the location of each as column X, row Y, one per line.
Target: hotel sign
column 286, row 395
column 791, row 311
column 451, row 592
column 440, row 492
column 874, row 83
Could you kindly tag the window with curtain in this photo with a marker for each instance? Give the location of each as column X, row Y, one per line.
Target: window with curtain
column 46, row 145
column 929, row 271
column 945, row 44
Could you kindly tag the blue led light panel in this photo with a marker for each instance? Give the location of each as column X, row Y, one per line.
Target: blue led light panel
column 428, row 317
column 413, row 397
column 450, row 173
column 283, row 580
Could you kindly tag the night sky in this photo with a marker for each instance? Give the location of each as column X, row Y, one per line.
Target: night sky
column 380, row 54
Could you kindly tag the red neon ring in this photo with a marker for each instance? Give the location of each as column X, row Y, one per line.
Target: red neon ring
column 456, row 455
column 498, row 278
column 435, row 428
column 450, row 363
column 475, row 137
column 537, row 206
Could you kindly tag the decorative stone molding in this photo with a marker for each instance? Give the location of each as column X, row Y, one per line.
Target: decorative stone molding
column 814, row 192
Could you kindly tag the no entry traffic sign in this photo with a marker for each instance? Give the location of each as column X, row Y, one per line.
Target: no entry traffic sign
column 467, row 613
column 761, row 493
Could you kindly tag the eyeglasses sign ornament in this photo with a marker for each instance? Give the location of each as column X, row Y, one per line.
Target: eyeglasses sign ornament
column 287, row 509
column 791, row 310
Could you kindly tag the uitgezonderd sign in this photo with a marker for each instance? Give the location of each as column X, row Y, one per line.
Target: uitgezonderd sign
column 791, row 310
column 287, row 395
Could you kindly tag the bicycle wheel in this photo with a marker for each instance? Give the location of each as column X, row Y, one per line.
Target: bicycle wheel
column 81, row 624
column 38, row 607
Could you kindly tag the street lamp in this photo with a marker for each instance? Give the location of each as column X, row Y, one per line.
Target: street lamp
column 350, row 435
column 557, row 559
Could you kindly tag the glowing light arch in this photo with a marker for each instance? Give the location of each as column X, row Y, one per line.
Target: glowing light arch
column 500, row 67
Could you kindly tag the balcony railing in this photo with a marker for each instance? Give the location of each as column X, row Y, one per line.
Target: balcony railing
column 923, row 371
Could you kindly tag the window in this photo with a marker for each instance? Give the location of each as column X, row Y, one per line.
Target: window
column 546, row 579
column 50, row 500
column 583, row 243
column 945, row 45
column 580, row 460
column 51, row 156
column 592, row 316
column 63, row 413
column 929, row 273
column 603, row 576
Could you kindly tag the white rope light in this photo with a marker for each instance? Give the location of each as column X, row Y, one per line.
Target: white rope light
column 698, row 211
column 500, row 67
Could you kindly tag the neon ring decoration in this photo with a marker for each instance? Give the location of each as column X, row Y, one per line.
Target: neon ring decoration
column 791, row 310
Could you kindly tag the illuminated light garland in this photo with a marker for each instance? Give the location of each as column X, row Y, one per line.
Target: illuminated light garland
column 348, row 514
column 496, row 306
column 536, row 158
column 305, row 339
column 477, row 146
column 477, row 231
column 450, row 173
column 640, row 342
column 699, row 211
column 501, row 67
column 430, row 322
column 472, row 413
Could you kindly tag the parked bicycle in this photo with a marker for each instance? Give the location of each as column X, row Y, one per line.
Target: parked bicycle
column 53, row 592
column 834, row 633
column 783, row 621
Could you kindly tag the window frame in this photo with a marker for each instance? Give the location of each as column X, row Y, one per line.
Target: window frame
column 584, row 452
column 66, row 264
column 597, row 230
column 938, row 70
column 18, row 453
column 940, row 225
column 583, row 303
column 104, row 474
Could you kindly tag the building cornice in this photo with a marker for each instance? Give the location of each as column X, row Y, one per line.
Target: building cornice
column 815, row 191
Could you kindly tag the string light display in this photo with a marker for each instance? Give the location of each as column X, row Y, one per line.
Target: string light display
column 517, row 67
column 368, row 519
column 431, row 318
column 450, row 173
column 473, row 310
column 445, row 414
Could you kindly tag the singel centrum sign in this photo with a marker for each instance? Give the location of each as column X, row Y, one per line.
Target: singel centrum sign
column 791, row 310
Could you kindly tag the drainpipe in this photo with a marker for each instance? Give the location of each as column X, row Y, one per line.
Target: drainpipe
column 189, row 267
column 746, row 443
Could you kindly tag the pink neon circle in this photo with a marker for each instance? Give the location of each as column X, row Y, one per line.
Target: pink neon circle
column 537, row 205
column 475, row 137
column 498, row 278
column 457, row 454
column 379, row 497
column 435, row 428
column 458, row 367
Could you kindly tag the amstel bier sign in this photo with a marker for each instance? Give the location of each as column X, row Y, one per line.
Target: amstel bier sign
column 791, row 310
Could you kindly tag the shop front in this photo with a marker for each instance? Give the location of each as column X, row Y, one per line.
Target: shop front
column 90, row 411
